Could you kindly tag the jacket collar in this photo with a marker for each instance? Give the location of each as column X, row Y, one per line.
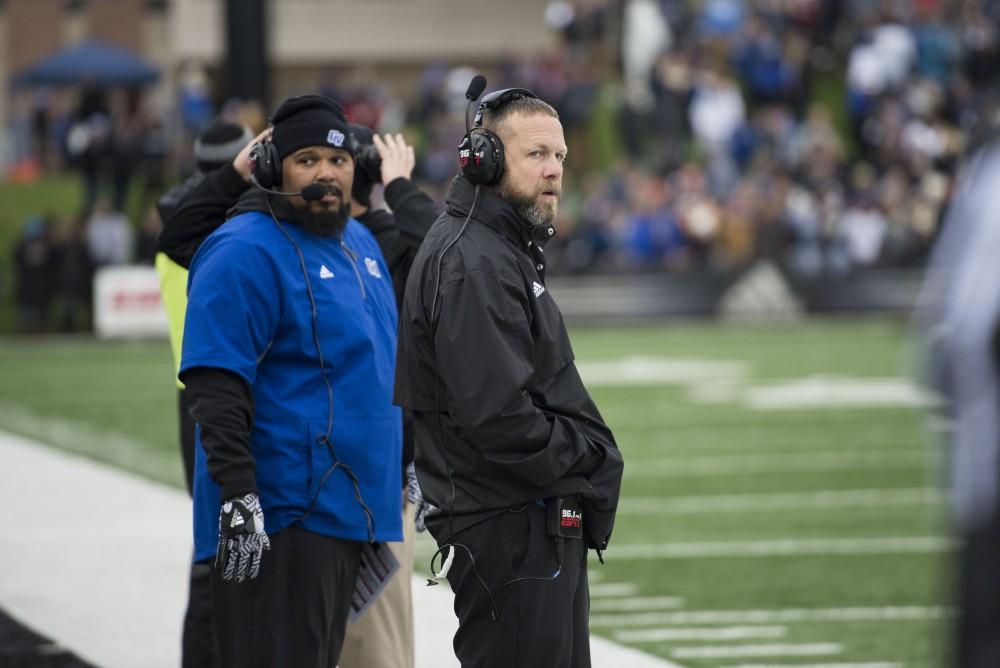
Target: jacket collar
column 494, row 212
column 256, row 200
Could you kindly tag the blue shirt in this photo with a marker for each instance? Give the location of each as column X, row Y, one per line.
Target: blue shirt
column 249, row 312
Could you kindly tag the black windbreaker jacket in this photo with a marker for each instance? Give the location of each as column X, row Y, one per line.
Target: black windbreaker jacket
column 490, row 376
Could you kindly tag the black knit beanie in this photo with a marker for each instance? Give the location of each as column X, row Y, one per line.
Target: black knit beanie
column 219, row 145
column 309, row 120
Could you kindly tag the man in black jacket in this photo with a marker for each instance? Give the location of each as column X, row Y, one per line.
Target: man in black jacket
column 509, row 444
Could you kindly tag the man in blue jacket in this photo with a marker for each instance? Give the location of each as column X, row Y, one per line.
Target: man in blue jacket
column 288, row 359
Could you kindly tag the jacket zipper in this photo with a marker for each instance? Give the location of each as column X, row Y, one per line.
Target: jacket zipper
column 354, row 265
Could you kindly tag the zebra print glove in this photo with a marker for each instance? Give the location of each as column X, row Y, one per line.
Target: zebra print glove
column 415, row 496
column 242, row 540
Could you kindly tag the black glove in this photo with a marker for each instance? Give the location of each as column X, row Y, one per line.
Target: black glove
column 242, row 540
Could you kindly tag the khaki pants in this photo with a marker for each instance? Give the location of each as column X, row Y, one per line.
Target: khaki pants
column 383, row 636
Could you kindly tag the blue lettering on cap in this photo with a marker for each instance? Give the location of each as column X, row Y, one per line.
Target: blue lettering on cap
column 336, row 137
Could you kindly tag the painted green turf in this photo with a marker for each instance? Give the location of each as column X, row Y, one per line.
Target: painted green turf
column 116, row 402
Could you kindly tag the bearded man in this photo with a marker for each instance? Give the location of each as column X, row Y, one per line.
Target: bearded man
column 288, row 358
column 509, row 446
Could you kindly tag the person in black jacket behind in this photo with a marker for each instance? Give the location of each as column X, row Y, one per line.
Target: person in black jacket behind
column 383, row 636
column 217, row 148
column 510, row 448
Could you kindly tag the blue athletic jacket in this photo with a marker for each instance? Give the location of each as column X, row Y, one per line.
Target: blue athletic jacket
column 249, row 312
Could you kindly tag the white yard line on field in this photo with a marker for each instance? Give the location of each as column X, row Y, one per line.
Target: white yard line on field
column 782, row 547
column 806, row 501
column 776, row 649
column 728, row 381
column 636, row 603
column 702, row 633
column 786, row 616
column 791, row 462
column 823, row 391
column 608, row 589
column 97, row 559
column 638, row 370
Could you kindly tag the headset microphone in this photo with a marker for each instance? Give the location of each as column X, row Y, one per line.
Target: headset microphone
column 313, row 192
column 472, row 93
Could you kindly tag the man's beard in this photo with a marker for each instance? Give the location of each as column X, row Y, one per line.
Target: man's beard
column 326, row 222
column 532, row 208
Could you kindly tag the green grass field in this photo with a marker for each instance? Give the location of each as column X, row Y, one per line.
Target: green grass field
column 780, row 505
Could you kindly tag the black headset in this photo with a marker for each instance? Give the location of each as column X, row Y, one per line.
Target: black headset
column 367, row 159
column 481, row 154
column 265, row 164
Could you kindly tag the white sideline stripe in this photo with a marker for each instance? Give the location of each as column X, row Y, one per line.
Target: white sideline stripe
column 746, row 503
column 786, row 616
column 81, row 534
column 709, row 633
column 792, row 462
column 611, row 588
column 636, row 603
column 783, row 547
column 869, row 664
column 777, row 649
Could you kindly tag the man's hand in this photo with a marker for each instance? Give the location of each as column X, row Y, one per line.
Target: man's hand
column 242, row 540
column 397, row 157
column 416, row 497
column 241, row 163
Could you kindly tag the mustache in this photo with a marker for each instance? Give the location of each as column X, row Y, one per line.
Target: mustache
column 332, row 189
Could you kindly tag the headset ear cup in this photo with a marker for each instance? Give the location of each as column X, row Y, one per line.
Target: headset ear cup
column 265, row 164
column 465, row 159
column 481, row 157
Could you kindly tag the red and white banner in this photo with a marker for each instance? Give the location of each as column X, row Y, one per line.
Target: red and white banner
column 127, row 303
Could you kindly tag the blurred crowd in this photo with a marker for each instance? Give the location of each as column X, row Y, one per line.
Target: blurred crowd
column 703, row 136
column 821, row 134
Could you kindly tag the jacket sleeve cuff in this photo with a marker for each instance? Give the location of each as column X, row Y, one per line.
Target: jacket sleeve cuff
column 231, row 182
column 590, row 462
column 398, row 189
column 237, row 482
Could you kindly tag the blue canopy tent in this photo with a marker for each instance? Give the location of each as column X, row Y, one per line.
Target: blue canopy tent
column 92, row 62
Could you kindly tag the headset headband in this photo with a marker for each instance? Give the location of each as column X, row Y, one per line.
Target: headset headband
column 497, row 99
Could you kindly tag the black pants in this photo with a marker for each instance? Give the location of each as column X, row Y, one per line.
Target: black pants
column 293, row 615
column 198, row 648
column 541, row 622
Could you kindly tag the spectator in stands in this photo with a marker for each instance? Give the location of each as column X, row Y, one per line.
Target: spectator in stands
column 109, row 236
column 73, row 276
column 89, row 141
column 147, row 239
column 33, row 267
